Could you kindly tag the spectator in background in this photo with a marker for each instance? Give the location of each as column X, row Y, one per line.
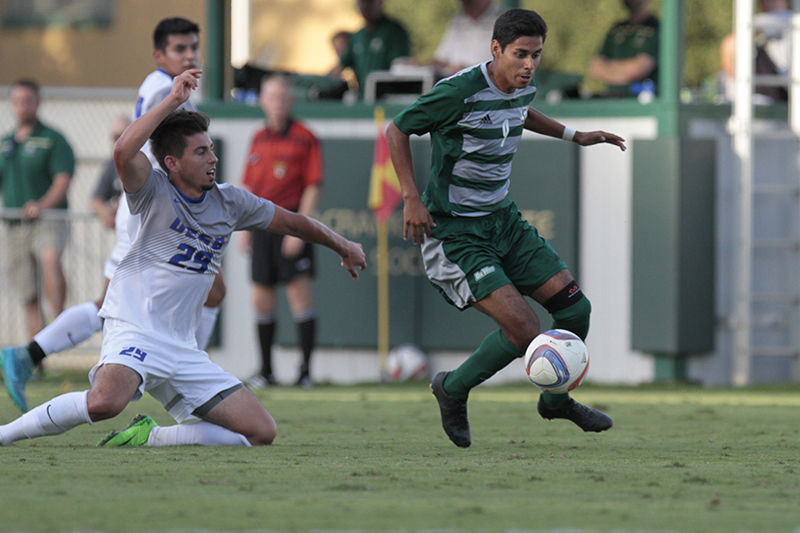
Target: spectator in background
column 108, row 189
column 627, row 61
column 340, row 42
column 465, row 40
column 36, row 167
column 375, row 46
column 284, row 166
column 773, row 50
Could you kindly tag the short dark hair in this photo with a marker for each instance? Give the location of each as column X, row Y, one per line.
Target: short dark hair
column 28, row 84
column 169, row 138
column 172, row 26
column 516, row 23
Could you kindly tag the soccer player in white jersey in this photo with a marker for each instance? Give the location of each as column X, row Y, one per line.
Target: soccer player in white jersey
column 175, row 49
column 476, row 248
column 155, row 297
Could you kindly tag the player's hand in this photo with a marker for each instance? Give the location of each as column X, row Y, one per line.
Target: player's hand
column 416, row 220
column 291, row 246
column 353, row 258
column 32, row 210
column 588, row 138
column 184, row 83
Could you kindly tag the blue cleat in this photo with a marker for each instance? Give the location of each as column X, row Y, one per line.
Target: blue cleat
column 17, row 368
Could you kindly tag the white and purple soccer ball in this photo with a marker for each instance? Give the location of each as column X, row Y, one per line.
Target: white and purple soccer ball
column 407, row 362
column 556, row 360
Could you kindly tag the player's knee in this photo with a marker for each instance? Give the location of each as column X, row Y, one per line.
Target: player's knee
column 570, row 310
column 264, row 433
column 102, row 406
column 524, row 333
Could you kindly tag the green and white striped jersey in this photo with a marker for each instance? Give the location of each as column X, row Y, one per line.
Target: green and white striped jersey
column 475, row 129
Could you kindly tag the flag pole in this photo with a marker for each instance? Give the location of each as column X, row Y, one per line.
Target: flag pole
column 383, row 294
column 383, row 275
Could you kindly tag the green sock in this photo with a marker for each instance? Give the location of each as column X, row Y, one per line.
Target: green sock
column 494, row 353
column 553, row 400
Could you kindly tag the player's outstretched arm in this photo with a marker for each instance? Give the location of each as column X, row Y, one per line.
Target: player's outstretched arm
column 540, row 123
column 132, row 165
column 314, row 231
column 588, row 138
column 416, row 218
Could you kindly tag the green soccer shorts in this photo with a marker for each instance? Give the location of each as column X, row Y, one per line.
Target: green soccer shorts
column 468, row 258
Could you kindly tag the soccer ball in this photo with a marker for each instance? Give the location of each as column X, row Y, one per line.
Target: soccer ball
column 407, row 362
column 556, row 360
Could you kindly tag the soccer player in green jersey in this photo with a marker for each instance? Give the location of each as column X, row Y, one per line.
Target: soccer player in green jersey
column 476, row 248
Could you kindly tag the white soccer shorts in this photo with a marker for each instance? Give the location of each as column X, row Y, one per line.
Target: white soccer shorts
column 181, row 377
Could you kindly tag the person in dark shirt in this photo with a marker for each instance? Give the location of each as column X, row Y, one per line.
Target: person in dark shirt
column 375, row 46
column 627, row 61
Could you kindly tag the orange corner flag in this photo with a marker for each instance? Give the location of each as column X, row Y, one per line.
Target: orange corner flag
column 384, row 187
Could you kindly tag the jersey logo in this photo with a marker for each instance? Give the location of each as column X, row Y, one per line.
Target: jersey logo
column 216, row 243
column 506, row 130
column 279, row 170
column 486, row 120
column 482, row 273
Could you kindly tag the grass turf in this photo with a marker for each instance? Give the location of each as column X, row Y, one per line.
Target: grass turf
column 375, row 458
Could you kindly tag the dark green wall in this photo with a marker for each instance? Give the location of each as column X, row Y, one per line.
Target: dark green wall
column 673, row 246
column 544, row 185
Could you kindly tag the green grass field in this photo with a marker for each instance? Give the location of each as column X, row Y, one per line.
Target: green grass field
column 374, row 458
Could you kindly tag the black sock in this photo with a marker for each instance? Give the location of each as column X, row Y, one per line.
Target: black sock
column 36, row 352
column 306, row 332
column 266, row 334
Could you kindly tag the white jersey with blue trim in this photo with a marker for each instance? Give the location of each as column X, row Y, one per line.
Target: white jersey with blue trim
column 163, row 281
column 155, row 88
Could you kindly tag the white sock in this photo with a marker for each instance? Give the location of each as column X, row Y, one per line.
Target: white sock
column 208, row 317
column 202, row 432
column 73, row 326
column 55, row 416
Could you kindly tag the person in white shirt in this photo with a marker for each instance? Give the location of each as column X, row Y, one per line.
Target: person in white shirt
column 154, row 300
column 464, row 41
column 773, row 32
column 175, row 49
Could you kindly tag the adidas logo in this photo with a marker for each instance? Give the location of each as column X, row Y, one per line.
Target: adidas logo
column 486, row 120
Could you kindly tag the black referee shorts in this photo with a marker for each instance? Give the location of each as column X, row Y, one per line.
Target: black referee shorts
column 270, row 268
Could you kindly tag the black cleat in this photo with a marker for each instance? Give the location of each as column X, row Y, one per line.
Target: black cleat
column 586, row 418
column 454, row 413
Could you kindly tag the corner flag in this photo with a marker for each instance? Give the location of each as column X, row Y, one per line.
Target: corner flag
column 384, row 187
column 384, row 197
